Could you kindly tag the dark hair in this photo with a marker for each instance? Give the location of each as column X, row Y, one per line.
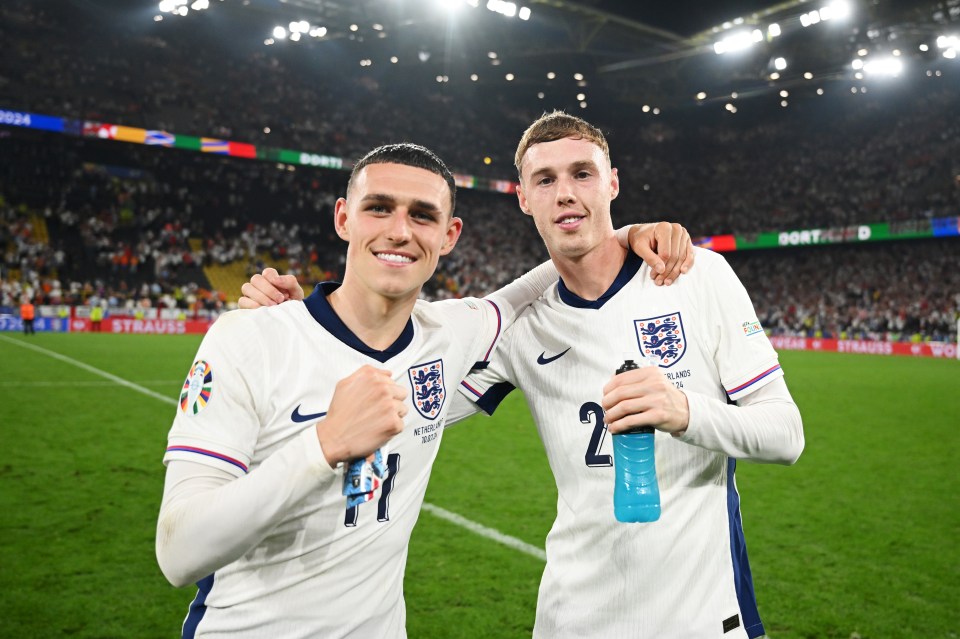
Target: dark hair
column 410, row 155
column 558, row 125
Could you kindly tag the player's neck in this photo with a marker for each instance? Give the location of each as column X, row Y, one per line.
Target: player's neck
column 376, row 320
column 590, row 275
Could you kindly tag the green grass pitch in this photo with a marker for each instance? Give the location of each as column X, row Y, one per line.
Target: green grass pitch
column 861, row 536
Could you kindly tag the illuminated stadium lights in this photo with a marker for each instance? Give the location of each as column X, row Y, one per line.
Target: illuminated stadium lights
column 269, row 41
column 738, row 41
column 394, row 59
column 783, row 103
column 492, row 55
column 857, row 64
column 656, row 110
column 924, row 47
column 773, row 31
column 808, row 76
column 774, row 76
column 295, row 36
column 171, row 6
column 729, row 107
column 509, row 77
column 950, row 54
column 948, row 42
column 890, row 67
column 366, row 62
column 279, row 33
column 583, row 105
column 551, row 75
column 862, row 52
column 734, row 95
column 780, row 64
column 377, row 26
column 540, row 95
column 318, row 32
column 646, row 108
column 354, row 27
column 508, row 9
column 578, row 77
column 581, row 96
column 200, row 5
column 157, row 18
column 810, row 18
column 819, row 91
column 474, row 77
column 784, row 94
column 701, row 96
column 299, row 27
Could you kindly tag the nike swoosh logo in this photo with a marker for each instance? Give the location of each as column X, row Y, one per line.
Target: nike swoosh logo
column 543, row 359
column 297, row 417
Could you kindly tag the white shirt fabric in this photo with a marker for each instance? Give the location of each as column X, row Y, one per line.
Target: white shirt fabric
column 687, row 574
column 252, row 509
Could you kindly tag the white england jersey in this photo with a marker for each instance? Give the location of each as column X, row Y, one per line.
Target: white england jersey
column 687, row 574
column 262, row 378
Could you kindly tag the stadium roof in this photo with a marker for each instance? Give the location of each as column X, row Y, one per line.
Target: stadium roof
column 601, row 53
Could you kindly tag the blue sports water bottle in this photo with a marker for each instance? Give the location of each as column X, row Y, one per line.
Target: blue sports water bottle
column 636, row 495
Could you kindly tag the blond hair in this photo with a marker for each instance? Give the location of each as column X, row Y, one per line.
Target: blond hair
column 558, row 125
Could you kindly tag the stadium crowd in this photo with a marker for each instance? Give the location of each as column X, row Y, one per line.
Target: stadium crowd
column 135, row 225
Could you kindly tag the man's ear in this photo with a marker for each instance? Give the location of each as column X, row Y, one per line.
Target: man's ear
column 614, row 184
column 522, row 199
column 340, row 219
column 453, row 234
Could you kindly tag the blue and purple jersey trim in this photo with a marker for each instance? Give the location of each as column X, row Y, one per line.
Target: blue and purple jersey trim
column 748, row 386
column 208, row 453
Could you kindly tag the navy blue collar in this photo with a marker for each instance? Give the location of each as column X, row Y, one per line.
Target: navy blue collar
column 320, row 308
column 630, row 267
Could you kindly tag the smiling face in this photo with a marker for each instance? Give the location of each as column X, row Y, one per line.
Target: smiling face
column 567, row 185
column 398, row 222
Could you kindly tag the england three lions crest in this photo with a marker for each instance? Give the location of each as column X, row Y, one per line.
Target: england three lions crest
column 426, row 380
column 662, row 338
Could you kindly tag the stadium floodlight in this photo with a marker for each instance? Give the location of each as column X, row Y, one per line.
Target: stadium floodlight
column 773, row 30
column 646, row 108
column 318, row 32
column 890, row 67
column 780, row 64
column 578, row 77
column 524, row 13
column 200, row 5
column 394, row 59
column 774, row 76
column 738, row 41
column 950, row 54
column 701, row 96
column 540, row 95
column 656, row 110
column 508, row 9
column 474, row 77
column 581, row 96
column 583, row 105
column 924, row 47
column 295, row 36
column 808, row 76
column 784, row 94
column 509, row 77
column 551, row 75
column 948, row 42
column 279, row 33
column 171, row 6
column 857, row 64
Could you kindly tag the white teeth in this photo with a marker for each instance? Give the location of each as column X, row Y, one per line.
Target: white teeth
column 393, row 257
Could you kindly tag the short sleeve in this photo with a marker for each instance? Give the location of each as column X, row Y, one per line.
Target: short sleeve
column 745, row 358
column 216, row 421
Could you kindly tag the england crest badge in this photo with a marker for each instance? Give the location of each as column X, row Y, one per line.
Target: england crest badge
column 662, row 338
column 426, row 381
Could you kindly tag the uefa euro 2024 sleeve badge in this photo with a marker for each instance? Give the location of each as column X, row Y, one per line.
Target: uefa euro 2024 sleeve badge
column 426, row 380
column 197, row 388
column 662, row 338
